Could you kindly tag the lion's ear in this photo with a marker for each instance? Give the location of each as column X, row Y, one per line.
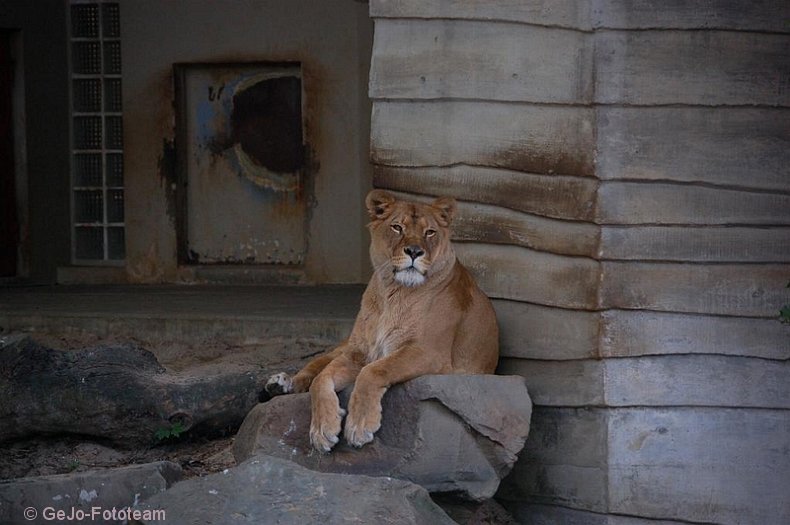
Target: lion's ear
column 379, row 204
column 446, row 207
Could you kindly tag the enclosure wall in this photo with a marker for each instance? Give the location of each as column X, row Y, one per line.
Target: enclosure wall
column 623, row 172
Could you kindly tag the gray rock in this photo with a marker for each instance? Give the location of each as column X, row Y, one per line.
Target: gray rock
column 116, row 392
column 265, row 489
column 109, row 489
column 448, row 433
column 488, row 512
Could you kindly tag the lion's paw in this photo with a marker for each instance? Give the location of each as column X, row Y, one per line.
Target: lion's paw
column 359, row 430
column 279, row 384
column 324, row 430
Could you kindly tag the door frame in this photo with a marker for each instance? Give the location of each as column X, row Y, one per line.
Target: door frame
column 12, row 41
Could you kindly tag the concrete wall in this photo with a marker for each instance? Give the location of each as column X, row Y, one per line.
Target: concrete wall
column 331, row 39
column 623, row 171
column 40, row 31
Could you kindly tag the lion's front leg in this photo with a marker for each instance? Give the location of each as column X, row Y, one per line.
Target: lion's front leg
column 327, row 416
column 365, row 413
column 364, row 407
column 282, row 383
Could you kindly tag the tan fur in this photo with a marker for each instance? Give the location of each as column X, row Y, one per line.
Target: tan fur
column 429, row 320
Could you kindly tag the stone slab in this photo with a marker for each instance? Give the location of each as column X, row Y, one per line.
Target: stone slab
column 515, row 273
column 697, row 380
column 265, row 489
column 629, row 333
column 659, row 203
column 564, row 460
column 743, row 290
column 679, row 67
column 553, row 196
column 530, row 331
column 696, row 244
column 564, row 13
column 522, row 137
column 703, row 465
column 429, row 59
column 119, row 488
column 755, row 15
column 496, row 225
column 729, row 146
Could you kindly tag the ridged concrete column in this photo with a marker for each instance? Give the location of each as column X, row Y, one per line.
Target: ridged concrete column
column 623, row 172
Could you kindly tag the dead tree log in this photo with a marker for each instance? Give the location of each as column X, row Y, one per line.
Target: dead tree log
column 117, row 392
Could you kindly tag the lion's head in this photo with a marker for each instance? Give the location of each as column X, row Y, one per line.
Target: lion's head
column 410, row 241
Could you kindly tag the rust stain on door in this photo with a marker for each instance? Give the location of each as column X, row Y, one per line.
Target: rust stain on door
column 244, row 163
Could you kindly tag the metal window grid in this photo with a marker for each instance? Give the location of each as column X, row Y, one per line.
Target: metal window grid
column 97, row 189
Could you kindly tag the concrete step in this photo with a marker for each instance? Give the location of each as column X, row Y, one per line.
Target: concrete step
column 154, row 314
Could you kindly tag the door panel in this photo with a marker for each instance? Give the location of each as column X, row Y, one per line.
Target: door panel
column 243, row 159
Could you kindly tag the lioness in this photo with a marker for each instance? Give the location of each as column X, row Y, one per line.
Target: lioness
column 422, row 313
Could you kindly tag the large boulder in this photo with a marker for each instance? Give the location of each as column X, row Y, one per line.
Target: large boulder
column 448, row 433
column 264, row 489
column 37, row 500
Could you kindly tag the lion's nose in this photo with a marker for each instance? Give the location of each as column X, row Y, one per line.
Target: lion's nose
column 413, row 251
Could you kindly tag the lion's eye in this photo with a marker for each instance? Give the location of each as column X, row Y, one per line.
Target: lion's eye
column 397, row 228
column 430, row 233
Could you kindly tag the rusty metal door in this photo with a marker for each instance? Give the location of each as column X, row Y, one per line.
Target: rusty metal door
column 241, row 153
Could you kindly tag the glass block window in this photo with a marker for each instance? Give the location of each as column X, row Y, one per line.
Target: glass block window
column 97, row 133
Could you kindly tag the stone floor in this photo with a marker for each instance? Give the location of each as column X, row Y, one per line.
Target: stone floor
column 234, row 314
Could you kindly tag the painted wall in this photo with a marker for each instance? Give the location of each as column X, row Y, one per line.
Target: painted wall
column 39, row 32
column 331, row 39
column 623, row 168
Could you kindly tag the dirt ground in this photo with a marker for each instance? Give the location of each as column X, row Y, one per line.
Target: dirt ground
column 62, row 455
column 205, row 357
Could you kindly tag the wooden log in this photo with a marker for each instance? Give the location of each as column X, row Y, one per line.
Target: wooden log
column 553, row 196
column 563, row 13
column 746, row 290
column 634, row 333
column 680, row 67
column 511, row 272
column 539, row 332
column 427, row 59
column 744, row 147
column 755, row 15
column 119, row 393
column 695, row 244
column 659, row 203
column 523, row 137
column 701, row 465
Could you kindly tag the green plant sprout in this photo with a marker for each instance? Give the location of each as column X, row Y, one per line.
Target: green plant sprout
column 174, row 431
